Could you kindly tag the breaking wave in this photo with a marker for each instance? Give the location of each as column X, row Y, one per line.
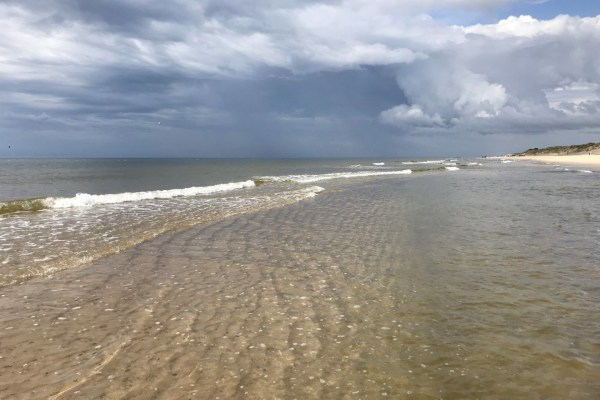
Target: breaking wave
column 90, row 200
column 324, row 177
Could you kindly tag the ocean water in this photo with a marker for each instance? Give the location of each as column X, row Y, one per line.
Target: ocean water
column 416, row 279
column 58, row 214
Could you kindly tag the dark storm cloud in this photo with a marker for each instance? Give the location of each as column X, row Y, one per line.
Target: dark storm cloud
column 364, row 91
column 124, row 15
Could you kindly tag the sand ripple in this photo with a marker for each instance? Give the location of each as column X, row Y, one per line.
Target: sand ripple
column 328, row 299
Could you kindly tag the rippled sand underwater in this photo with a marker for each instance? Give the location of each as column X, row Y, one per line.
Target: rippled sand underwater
column 389, row 288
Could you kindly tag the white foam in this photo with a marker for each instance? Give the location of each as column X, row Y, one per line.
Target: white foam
column 335, row 175
column 90, row 200
column 378, row 164
column 313, row 191
column 505, row 161
column 567, row 169
column 424, row 162
column 452, row 168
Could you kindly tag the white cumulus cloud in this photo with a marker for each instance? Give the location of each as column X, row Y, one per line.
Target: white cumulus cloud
column 520, row 71
column 411, row 116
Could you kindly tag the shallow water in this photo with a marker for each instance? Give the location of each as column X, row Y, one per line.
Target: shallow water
column 60, row 214
column 477, row 284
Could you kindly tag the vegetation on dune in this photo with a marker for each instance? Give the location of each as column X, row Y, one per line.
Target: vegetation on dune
column 563, row 150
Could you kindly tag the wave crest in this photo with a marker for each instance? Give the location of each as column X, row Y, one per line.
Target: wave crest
column 90, row 200
column 335, row 175
column 23, row 205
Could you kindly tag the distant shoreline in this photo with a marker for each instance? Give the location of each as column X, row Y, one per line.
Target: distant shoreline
column 592, row 160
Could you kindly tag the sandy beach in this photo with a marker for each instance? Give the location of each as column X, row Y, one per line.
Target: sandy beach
column 256, row 307
column 591, row 160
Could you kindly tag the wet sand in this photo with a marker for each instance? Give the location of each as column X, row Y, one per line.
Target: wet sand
column 345, row 296
column 592, row 160
column 254, row 307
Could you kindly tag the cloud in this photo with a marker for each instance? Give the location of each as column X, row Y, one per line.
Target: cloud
column 576, row 98
column 280, row 72
column 526, row 26
column 211, row 38
column 517, row 74
column 410, row 116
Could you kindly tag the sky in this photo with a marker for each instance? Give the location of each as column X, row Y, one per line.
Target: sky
column 296, row 78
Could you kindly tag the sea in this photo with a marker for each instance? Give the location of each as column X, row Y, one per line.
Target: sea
column 457, row 278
